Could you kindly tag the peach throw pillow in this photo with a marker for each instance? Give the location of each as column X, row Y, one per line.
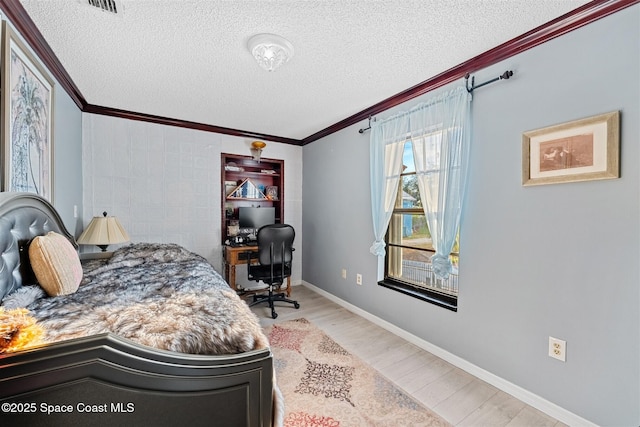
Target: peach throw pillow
column 56, row 264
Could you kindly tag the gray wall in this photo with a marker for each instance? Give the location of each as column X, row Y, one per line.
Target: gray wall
column 67, row 160
column 556, row 260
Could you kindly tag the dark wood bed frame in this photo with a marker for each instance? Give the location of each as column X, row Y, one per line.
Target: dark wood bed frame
column 107, row 380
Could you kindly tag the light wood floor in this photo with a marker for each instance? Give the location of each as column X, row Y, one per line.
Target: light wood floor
column 455, row 395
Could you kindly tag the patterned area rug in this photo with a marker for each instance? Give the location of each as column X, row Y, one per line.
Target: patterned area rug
column 326, row 386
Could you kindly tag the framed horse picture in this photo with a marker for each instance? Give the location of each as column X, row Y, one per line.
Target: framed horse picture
column 580, row 150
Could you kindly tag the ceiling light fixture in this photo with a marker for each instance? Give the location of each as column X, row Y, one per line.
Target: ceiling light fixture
column 270, row 50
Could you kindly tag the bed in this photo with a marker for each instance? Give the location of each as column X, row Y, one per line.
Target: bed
column 151, row 336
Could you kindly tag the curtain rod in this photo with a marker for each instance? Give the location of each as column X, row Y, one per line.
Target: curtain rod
column 503, row 76
column 363, row 130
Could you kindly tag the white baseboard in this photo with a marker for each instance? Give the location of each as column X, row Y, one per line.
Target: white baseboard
column 514, row 390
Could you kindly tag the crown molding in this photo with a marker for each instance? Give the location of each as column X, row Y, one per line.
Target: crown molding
column 16, row 14
column 131, row 115
column 575, row 19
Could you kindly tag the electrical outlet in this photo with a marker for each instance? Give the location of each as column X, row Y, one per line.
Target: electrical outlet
column 75, row 211
column 558, row 349
column 358, row 279
column 344, row 273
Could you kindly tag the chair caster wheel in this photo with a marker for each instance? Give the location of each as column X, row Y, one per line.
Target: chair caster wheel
column 296, row 305
column 274, row 315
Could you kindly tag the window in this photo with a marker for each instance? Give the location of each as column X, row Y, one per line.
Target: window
column 409, row 246
column 434, row 138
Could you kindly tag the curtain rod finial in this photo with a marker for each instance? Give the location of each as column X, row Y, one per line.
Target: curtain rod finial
column 506, row 74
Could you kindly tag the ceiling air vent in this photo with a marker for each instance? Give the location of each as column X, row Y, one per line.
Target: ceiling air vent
column 105, row 5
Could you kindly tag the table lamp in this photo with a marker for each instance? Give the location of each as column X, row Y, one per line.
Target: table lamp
column 103, row 231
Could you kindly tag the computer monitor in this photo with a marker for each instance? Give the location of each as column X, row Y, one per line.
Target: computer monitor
column 256, row 217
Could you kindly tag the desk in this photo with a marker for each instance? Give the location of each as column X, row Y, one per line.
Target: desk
column 235, row 255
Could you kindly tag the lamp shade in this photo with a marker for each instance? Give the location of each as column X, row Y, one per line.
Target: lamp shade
column 103, row 231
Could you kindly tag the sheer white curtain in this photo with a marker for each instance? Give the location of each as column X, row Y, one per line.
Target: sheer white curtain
column 387, row 145
column 440, row 134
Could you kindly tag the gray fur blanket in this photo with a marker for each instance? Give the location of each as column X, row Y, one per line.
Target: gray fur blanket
column 160, row 295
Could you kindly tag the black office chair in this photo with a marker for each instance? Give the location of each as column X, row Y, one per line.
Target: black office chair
column 274, row 256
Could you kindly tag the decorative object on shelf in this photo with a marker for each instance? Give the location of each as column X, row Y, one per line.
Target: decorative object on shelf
column 232, row 167
column 27, row 104
column 103, row 231
column 229, row 186
column 247, row 190
column 256, row 149
column 234, row 228
column 270, row 50
column 581, row 150
column 272, row 192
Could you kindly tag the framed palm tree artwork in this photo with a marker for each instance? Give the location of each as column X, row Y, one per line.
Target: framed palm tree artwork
column 27, row 119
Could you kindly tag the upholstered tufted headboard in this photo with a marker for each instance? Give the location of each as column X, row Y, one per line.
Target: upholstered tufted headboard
column 23, row 216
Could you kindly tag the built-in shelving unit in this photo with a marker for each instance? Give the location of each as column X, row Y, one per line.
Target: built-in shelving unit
column 247, row 182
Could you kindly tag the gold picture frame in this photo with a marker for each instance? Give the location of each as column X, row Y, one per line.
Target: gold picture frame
column 581, row 150
column 27, row 119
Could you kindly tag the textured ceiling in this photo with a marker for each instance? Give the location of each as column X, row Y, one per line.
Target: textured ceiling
column 188, row 60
